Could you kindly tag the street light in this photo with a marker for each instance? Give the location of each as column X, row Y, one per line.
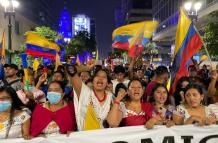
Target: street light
column 9, row 6
column 192, row 9
column 67, row 40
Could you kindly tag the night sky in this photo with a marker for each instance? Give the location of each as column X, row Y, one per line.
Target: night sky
column 103, row 13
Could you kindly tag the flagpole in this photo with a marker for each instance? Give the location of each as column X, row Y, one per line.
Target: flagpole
column 204, row 46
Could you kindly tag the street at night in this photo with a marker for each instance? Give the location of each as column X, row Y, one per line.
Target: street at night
column 108, row 71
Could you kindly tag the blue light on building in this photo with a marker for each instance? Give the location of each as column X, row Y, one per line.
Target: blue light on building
column 65, row 27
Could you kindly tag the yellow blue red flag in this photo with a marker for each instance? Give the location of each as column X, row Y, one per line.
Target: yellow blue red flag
column 133, row 37
column 40, row 46
column 188, row 41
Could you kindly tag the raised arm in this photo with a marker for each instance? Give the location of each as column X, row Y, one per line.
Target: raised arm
column 115, row 115
column 75, row 79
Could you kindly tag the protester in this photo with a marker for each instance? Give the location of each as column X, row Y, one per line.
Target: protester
column 161, row 77
column 132, row 111
column 119, row 77
column 14, row 122
column 56, row 116
column 11, row 78
column 163, row 112
column 180, row 90
column 193, row 112
column 91, row 104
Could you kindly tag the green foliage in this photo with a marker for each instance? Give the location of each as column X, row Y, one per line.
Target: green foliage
column 211, row 35
column 150, row 48
column 47, row 33
column 82, row 42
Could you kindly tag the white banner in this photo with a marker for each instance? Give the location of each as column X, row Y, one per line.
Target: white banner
column 136, row 134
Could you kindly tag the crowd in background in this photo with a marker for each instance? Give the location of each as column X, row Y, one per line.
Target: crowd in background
column 84, row 97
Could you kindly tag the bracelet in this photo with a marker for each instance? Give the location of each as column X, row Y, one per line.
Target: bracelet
column 116, row 102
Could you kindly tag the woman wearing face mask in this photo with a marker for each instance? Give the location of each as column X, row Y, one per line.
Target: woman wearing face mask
column 55, row 116
column 91, row 104
column 162, row 113
column 193, row 112
column 132, row 111
column 14, row 122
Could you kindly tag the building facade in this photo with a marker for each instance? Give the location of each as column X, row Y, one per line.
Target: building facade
column 131, row 11
column 80, row 22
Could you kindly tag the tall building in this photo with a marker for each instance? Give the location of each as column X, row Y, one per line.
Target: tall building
column 131, row 11
column 39, row 11
column 65, row 27
column 81, row 22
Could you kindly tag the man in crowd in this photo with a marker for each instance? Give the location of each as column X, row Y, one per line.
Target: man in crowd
column 11, row 78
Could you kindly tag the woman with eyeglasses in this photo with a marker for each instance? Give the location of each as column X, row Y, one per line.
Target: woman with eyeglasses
column 14, row 122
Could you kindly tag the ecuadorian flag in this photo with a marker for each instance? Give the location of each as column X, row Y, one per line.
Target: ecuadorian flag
column 39, row 46
column 188, row 41
column 133, row 37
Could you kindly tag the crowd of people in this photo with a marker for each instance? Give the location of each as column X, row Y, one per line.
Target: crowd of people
column 85, row 97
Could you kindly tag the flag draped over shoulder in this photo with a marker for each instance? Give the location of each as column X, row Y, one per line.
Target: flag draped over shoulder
column 40, row 46
column 2, row 49
column 133, row 37
column 188, row 41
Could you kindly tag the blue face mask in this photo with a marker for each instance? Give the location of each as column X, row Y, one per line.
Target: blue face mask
column 4, row 105
column 53, row 97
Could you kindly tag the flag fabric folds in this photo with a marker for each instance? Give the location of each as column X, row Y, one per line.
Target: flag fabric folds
column 2, row 49
column 188, row 41
column 57, row 62
column 36, row 64
column 40, row 46
column 25, row 66
column 133, row 37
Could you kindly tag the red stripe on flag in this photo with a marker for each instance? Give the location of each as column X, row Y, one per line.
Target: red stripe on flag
column 135, row 51
column 40, row 54
column 120, row 45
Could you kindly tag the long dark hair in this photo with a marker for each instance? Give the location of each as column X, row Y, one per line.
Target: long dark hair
column 15, row 104
column 152, row 100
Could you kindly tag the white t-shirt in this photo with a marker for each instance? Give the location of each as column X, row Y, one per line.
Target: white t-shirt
column 86, row 97
column 115, row 82
column 214, row 108
column 16, row 127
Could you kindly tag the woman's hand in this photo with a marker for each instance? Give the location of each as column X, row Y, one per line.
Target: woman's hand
column 27, row 137
column 42, row 78
column 196, row 119
column 169, row 123
column 121, row 94
column 150, row 123
column 210, row 120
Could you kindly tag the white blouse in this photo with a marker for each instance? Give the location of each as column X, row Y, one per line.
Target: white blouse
column 87, row 96
column 16, row 127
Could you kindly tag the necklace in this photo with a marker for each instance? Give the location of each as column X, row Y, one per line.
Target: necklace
column 100, row 100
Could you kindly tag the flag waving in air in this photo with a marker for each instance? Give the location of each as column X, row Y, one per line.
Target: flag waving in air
column 133, row 37
column 40, row 46
column 188, row 41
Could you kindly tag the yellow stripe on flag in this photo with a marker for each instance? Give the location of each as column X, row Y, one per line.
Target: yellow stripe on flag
column 34, row 39
column 182, row 29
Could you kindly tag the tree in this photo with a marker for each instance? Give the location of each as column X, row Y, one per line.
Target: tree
column 47, row 33
column 82, row 42
column 211, row 34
